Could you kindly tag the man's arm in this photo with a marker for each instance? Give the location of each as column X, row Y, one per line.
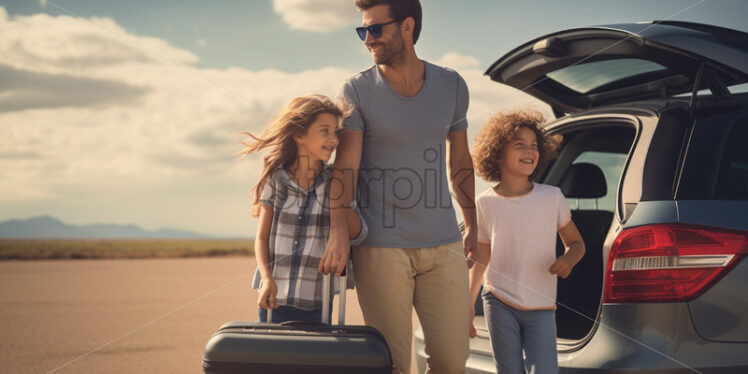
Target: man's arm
column 354, row 224
column 481, row 258
column 342, row 191
column 462, row 181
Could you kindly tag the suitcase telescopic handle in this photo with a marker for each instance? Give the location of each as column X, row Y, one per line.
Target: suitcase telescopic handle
column 326, row 298
column 326, row 279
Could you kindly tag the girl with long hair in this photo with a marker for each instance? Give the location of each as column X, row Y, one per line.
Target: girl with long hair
column 291, row 201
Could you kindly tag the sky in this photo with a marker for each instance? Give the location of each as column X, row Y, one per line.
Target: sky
column 130, row 112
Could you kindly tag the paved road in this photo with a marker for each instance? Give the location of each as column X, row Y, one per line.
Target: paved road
column 137, row 316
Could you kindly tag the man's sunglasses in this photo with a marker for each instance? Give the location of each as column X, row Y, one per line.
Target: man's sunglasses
column 375, row 30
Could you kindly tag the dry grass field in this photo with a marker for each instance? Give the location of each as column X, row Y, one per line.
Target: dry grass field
column 49, row 249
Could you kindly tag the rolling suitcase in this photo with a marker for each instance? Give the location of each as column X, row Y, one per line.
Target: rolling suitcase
column 298, row 347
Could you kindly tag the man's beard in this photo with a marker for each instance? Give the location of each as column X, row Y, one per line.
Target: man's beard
column 390, row 52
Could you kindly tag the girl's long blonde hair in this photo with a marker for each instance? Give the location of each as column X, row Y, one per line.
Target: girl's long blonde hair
column 278, row 136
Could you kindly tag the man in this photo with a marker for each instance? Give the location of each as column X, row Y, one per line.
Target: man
column 407, row 123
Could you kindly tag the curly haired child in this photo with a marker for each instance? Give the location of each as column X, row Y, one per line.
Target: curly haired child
column 518, row 220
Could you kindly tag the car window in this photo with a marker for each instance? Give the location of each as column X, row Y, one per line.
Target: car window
column 584, row 78
column 739, row 88
column 611, row 164
column 732, row 181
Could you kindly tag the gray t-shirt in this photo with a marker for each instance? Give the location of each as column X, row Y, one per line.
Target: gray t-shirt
column 402, row 186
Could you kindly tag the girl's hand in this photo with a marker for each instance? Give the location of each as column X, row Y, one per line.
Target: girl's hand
column 574, row 250
column 561, row 267
column 269, row 290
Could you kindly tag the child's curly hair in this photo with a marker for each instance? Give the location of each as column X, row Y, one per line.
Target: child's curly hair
column 500, row 129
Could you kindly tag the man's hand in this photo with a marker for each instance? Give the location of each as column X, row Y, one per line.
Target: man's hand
column 268, row 292
column 470, row 243
column 336, row 253
column 561, row 267
column 473, row 332
column 342, row 192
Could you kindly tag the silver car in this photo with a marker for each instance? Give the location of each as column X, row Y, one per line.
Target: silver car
column 654, row 164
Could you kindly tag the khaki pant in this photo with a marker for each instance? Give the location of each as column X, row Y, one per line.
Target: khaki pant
column 434, row 280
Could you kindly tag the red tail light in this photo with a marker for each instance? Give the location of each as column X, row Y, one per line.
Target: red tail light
column 669, row 262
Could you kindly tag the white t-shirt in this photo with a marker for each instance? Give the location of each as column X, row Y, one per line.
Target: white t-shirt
column 522, row 233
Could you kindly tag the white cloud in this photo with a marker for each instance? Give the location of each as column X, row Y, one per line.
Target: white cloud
column 458, row 61
column 316, row 15
column 103, row 125
column 64, row 44
column 23, row 89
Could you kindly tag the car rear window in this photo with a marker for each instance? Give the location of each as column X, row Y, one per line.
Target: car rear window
column 584, row 78
column 716, row 163
column 732, row 180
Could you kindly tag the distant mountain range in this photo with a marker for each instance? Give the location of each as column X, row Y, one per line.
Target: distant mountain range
column 49, row 227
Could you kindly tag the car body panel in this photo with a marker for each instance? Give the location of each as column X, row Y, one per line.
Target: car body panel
column 724, row 46
column 720, row 313
column 653, row 212
column 720, row 213
column 660, row 339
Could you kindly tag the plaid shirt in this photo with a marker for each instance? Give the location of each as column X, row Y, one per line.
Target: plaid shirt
column 298, row 237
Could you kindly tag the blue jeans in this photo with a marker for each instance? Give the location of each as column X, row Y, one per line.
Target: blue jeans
column 513, row 331
column 288, row 313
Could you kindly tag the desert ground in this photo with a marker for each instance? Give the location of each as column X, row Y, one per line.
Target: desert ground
column 122, row 316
